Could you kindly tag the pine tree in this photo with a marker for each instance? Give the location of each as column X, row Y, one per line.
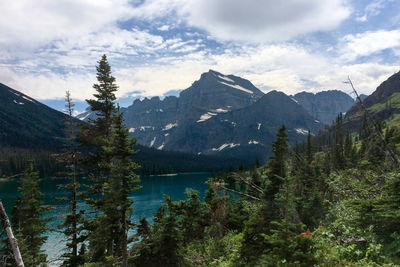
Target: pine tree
column 194, row 216
column 258, row 224
column 118, row 187
column 278, row 163
column 72, row 224
column 93, row 138
column 28, row 219
column 162, row 247
column 309, row 148
column 337, row 149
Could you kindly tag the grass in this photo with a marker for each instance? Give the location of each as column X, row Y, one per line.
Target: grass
column 393, row 102
column 394, row 120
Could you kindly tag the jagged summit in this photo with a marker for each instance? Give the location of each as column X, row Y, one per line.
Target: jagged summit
column 326, row 105
column 215, row 90
column 219, row 113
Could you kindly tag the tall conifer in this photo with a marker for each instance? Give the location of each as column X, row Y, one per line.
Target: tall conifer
column 72, row 224
column 28, row 219
column 93, row 138
column 121, row 183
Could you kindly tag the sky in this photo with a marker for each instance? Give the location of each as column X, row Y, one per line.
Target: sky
column 158, row 47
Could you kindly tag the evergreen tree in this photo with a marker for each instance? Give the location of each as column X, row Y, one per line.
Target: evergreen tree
column 338, row 147
column 309, row 148
column 94, row 137
column 258, row 224
column 28, row 219
column 193, row 215
column 162, row 247
column 72, row 224
column 278, row 163
column 121, row 183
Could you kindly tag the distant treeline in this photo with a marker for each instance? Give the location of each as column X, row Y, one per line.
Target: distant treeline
column 153, row 162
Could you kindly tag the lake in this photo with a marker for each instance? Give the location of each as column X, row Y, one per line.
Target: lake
column 147, row 200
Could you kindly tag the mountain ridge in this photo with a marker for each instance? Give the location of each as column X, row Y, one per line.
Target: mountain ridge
column 25, row 122
column 325, row 105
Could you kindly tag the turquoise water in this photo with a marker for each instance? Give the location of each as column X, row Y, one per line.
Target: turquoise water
column 147, row 200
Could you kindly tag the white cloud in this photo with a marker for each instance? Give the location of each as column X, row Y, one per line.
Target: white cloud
column 163, row 28
column 372, row 9
column 27, row 25
column 252, row 20
column 368, row 43
column 47, row 47
column 288, row 68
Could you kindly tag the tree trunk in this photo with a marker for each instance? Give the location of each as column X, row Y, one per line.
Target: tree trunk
column 124, row 241
column 11, row 239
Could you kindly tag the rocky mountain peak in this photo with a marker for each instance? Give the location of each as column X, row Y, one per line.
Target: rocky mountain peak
column 325, row 105
column 215, row 90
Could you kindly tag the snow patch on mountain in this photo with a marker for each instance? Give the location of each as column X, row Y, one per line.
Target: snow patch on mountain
column 152, row 141
column 143, row 128
column 221, row 110
column 253, row 142
column 19, row 103
column 206, row 116
column 132, row 130
column 236, row 86
column 14, row 93
column 301, row 131
column 294, row 100
column 84, row 115
column 169, row 126
column 31, row 100
column 226, row 78
column 259, row 126
column 230, row 145
column 161, row 147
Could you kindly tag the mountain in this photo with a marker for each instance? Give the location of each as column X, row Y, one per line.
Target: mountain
column 32, row 130
column 218, row 114
column 383, row 104
column 363, row 96
column 325, row 105
column 154, row 121
column 217, row 91
column 246, row 132
column 27, row 123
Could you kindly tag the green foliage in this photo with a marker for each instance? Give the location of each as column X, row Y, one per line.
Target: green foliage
column 222, row 252
column 28, row 219
column 163, row 246
column 392, row 102
column 286, row 246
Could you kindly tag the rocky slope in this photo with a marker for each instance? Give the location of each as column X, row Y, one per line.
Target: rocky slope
column 326, row 105
column 218, row 114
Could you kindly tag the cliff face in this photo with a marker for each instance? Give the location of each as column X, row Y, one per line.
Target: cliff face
column 325, row 106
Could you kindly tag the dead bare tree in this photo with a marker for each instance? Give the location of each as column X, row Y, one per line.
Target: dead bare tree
column 376, row 127
column 5, row 222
